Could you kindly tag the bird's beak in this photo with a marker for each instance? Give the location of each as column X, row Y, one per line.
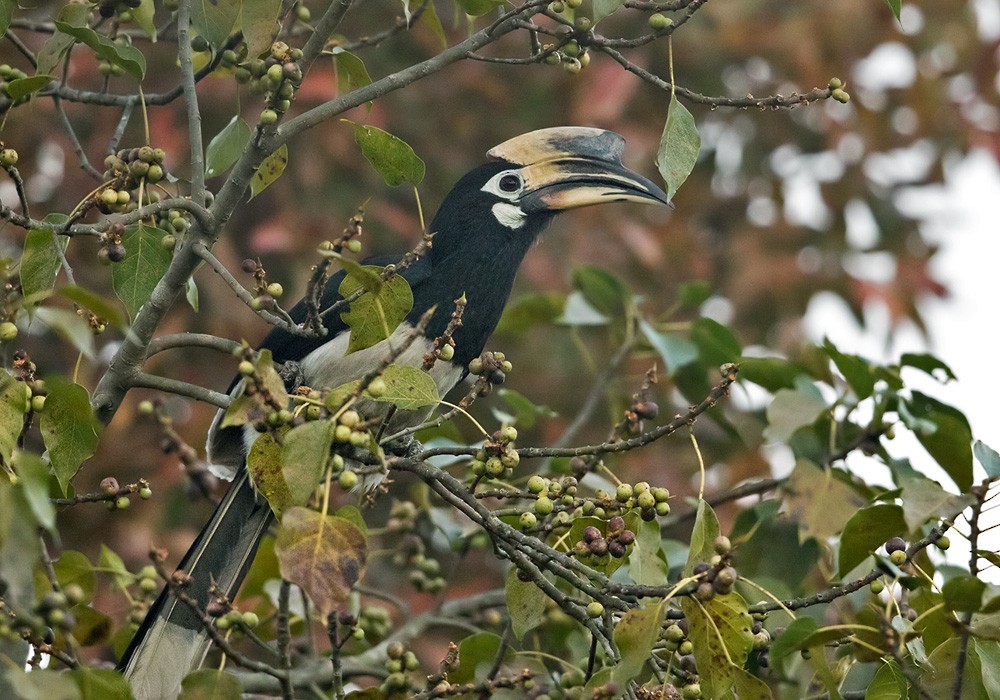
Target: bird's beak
column 570, row 167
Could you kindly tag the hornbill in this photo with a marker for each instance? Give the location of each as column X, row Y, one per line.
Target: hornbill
column 481, row 233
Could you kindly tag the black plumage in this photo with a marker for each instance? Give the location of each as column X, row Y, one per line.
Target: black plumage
column 482, row 231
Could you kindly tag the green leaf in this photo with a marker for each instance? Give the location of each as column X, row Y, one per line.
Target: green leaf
column 964, row 593
column 819, row 502
column 40, row 684
column 351, row 71
column 210, row 683
column 530, row 310
column 889, row 682
column 226, row 146
column 373, row 317
column 856, row 370
column 408, row 387
column 938, row 677
column 110, row 563
column 928, row 364
column 34, row 475
column 215, row 19
column 91, row 629
column 100, row 683
column 13, row 404
column 603, row 8
column 679, row 146
column 431, row 20
column 368, row 276
column 69, row 428
column 647, row 564
column 269, row 171
column 22, row 87
column 719, row 630
column 525, row 410
column 987, row 457
column 749, row 686
column 40, row 260
column 72, row 567
column 101, row 306
column 706, row 529
column 266, row 471
column 895, row 6
column 129, row 58
column 675, row 350
column 146, row 261
column 989, row 655
column 525, row 604
column 790, row 410
column 304, row 457
column 247, row 409
column 55, row 47
column 392, row 157
column 693, row 294
column 323, row 555
column 259, row 23
column 945, row 433
column 791, row 639
column 144, row 17
column 69, row 326
column 716, row 343
column 602, row 290
column 476, row 654
column 578, row 312
column 7, row 10
column 634, row 635
column 772, row 373
column 866, row 531
column 924, row 499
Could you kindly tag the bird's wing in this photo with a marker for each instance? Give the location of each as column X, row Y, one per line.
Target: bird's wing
column 224, row 549
column 227, row 446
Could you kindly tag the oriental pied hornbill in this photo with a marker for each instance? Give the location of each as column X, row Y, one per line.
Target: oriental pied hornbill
column 481, row 233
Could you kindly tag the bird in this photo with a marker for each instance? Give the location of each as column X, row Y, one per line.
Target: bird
column 480, row 234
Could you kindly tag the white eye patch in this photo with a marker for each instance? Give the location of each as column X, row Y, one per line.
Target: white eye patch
column 507, row 184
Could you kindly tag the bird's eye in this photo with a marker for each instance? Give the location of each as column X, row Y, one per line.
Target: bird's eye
column 510, row 183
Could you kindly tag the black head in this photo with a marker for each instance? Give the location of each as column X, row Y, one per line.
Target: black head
column 506, row 203
column 491, row 217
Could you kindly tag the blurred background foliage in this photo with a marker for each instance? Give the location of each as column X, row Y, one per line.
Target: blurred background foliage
column 782, row 206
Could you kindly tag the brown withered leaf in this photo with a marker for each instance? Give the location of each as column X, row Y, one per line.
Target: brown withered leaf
column 324, row 555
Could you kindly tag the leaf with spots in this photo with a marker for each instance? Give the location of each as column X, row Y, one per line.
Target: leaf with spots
column 635, row 635
column 392, row 157
column 525, row 604
column 269, row 171
column 303, row 457
column 720, row 631
column 324, row 555
column 265, row 467
column 408, row 387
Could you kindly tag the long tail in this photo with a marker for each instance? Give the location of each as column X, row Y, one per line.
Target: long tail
column 171, row 640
